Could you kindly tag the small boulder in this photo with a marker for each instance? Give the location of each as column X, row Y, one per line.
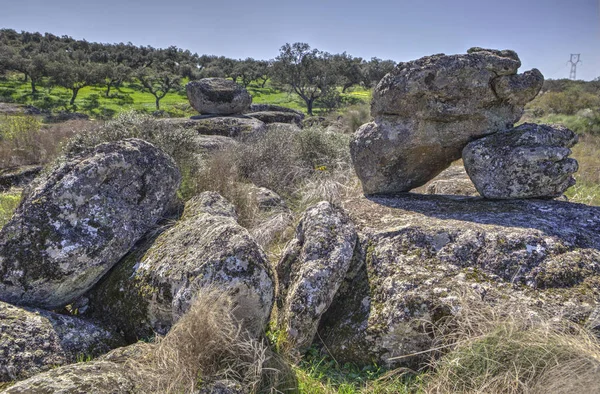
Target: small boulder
column 218, row 96
column 33, row 341
column 426, row 111
column 529, row 161
column 151, row 289
column 80, row 219
column 312, row 268
column 226, row 126
column 277, row 117
column 273, row 107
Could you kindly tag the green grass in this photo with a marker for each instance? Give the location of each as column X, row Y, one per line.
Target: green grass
column 93, row 101
column 8, row 203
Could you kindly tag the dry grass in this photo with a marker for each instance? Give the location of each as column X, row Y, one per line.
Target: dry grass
column 208, row 345
column 506, row 348
column 587, row 189
column 24, row 140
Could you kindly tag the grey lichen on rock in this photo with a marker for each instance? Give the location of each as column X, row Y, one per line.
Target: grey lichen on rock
column 311, row 270
column 80, row 219
column 529, row 161
column 417, row 253
column 218, row 96
column 425, row 112
column 33, row 341
column 205, row 248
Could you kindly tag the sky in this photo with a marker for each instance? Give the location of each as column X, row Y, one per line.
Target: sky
column 543, row 32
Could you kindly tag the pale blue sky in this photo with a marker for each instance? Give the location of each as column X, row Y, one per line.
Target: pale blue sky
column 543, row 32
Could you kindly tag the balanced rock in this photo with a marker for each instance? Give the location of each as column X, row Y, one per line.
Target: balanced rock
column 417, row 253
column 218, row 96
column 33, row 341
column 80, row 219
column 311, row 270
column 426, row 111
column 528, row 161
column 151, row 289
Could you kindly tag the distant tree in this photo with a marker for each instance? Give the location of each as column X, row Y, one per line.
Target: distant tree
column 73, row 70
column 349, row 69
column 264, row 70
column 305, row 71
column 113, row 75
column 163, row 76
column 375, row 69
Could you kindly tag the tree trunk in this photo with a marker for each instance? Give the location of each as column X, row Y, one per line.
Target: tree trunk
column 309, row 106
column 108, row 90
column 33, row 89
column 157, row 103
column 25, row 77
column 264, row 83
column 74, row 96
column 346, row 86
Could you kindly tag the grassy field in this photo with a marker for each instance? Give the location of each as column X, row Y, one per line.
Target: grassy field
column 130, row 96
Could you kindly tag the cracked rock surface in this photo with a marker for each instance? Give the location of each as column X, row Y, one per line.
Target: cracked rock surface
column 426, row 111
column 218, row 96
column 529, row 161
column 80, row 218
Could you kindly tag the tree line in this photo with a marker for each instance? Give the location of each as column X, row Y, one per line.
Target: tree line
column 311, row 74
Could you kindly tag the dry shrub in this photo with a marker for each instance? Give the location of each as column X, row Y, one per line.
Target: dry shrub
column 24, row 140
column 587, row 189
column 207, row 345
column 507, row 348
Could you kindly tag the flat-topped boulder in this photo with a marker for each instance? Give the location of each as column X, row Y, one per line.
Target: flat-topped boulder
column 226, row 126
column 218, row 96
column 426, row 111
column 417, row 253
column 277, row 117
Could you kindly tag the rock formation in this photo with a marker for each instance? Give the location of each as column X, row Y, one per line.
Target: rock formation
column 525, row 162
column 217, row 96
column 147, row 293
column 80, row 219
column 426, row 111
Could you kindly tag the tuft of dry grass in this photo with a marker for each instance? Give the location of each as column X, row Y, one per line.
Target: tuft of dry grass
column 208, row 344
column 507, row 348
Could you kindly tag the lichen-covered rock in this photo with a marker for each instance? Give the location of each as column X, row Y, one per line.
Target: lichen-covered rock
column 529, row 161
column 80, row 219
column 218, row 96
column 273, row 107
column 227, row 126
column 33, row 341
column 311, row 270
column 425, row 112
column 98, row 377
column 150, row 290
column 277, row 117
column 418, row 252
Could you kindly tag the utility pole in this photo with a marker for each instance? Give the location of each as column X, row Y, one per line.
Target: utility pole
column 574, row 61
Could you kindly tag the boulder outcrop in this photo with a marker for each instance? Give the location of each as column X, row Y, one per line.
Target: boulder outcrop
column 529, row 161
column 151, row 289
column 227, row 126
column 311, row 270
column 426, row 111
column 218, row 96
column 416, row 253
column 80, row 219
column 33, row 341
column 277, row 117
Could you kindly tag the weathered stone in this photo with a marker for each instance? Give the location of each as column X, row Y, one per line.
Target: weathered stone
column 150, row 290
column 98, row 377
column 80, row 219
column 222, row 387
column 529, row 161
column 418, row 252
column 311, row 270
column 427, row 110
column 273, row 107
column 33, row 341
column 18, row 177
column 277, row 117
column 227, row 126
column 218, row 96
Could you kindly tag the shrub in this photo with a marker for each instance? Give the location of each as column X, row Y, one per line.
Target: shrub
column 8, row 203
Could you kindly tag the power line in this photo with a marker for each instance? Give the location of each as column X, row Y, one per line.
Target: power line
column 574, row 61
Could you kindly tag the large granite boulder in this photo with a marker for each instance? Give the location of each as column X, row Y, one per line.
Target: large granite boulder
column 80, row 219
column 311, row 270
column 529, row 161
column 227, row 126
column 218, row 96
column 417, row 253
column 153, row 287
column 33, row 341
column 98, row 377
column 426, row 111
column 277, row 117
